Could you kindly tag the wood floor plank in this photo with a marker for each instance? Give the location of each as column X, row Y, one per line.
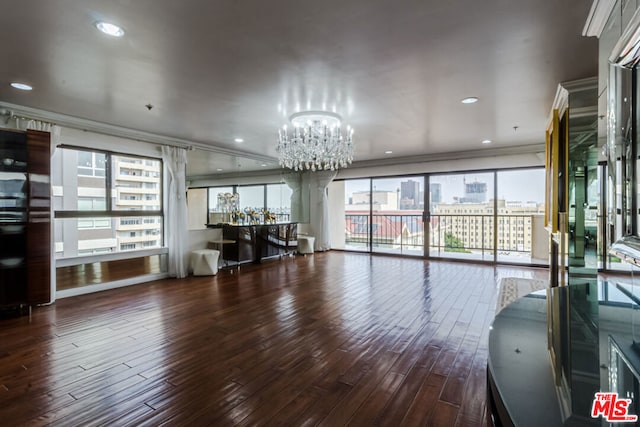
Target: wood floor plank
column 335, row 338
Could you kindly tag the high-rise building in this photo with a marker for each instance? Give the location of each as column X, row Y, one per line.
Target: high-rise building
column 435, row 189
column 474, row 192
column 137, row 184
column 409, row 194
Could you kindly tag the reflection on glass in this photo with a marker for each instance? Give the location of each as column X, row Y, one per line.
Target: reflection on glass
column 279, row 201
column 92, row 236
column 137, row 183
column 251, row 197
column 91, row 164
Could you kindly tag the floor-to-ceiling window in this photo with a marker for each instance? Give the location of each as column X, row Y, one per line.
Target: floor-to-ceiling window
column 357, row 211
column 521, row 236
column 397, row 215
column 278, row 201
column 495, row 216
column 461, row 216
column 274, row 198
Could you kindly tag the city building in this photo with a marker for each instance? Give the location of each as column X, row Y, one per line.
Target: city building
column 435, row 191
column 409, row 194
column 473, row 224
column 135, row 186
column 375, row 200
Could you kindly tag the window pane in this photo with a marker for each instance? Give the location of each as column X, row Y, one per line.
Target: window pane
column 215, row 201
column 462, row 216
column 91, row 204
column 85, row 236
column 135, row 186
column 91, row 164
column 85, row 158
column 75, row 177
column 357, row 204
column 251, row 197
column 397, row 219
column 136, row 182
column 279, row 201
column 521, row 234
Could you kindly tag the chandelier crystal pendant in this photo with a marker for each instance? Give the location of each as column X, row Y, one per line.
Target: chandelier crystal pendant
column 316, row 142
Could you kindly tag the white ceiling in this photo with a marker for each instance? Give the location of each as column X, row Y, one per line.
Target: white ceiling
column 396, row 70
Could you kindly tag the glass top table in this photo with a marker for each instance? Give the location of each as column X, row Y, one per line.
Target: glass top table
column 551, row 351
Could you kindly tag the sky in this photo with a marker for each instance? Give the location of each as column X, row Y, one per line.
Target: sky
column 521, row 185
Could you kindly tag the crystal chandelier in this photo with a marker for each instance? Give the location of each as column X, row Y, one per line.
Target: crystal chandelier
column 316, row 142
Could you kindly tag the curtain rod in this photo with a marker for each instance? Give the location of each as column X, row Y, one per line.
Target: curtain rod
column 100, row 150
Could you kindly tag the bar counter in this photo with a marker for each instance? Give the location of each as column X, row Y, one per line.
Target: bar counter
column 256, row 242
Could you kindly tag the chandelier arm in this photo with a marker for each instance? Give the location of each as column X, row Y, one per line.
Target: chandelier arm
column 315, row 143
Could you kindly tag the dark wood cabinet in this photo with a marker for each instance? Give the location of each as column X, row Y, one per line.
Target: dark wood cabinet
column 255, row 242
column 25, row 219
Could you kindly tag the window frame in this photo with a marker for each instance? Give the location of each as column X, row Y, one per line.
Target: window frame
column 234, row 189
column 109, row 212
column 113, row 214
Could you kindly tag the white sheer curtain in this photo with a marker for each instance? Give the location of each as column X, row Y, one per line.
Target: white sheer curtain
column 175, row 162
column 320, row 215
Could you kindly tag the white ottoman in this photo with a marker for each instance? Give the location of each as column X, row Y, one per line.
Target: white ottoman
column 305, row 244
column 204, row 262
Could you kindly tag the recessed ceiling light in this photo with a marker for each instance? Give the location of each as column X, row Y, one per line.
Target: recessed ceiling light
column 486, row 141
column 388, row 152
column 219, row 170
column 239, row 140
column 109, row 29
column 470, row 100
column 21, row 86
column 263, row 165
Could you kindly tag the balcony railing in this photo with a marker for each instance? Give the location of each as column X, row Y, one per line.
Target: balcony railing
column 389, row 232
column 449, row 235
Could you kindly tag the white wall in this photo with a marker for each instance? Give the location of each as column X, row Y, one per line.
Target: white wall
column 336, row 214
column 269, row 177
column 80, row 138
column 197, row 208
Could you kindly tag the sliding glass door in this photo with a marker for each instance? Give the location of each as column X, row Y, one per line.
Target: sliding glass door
column 357, row 211
column 495, row 216
column 385, row 215
column 461, row 216
column 522, row 238
column 397, row 211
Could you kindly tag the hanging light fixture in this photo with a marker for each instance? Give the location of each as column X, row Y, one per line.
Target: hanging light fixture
column 316, row 142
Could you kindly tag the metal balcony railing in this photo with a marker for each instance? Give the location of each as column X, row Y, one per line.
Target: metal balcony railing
column 448, row 234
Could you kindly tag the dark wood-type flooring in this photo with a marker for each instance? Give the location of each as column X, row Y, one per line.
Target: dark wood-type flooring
column 330, row 339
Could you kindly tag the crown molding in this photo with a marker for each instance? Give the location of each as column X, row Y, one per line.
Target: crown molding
column 565, row 89
column 597, row 18
column 123, row 132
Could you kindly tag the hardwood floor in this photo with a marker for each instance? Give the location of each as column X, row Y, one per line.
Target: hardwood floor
column 329, row 339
